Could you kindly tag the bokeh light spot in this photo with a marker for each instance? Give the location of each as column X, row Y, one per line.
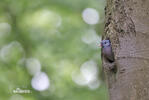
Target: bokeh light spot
column 40, row 81
column 12, row 52
column 90, row 37
column 5, row 28
column 90, row 16
column 16, row 97
column 94, row 84
column 89, row 70
column 33, row 66
column 88, row 75
column 43, row 19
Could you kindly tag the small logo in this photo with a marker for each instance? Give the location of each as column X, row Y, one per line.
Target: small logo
column 21, row 91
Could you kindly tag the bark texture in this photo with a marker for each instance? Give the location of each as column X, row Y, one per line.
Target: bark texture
column 127, row 27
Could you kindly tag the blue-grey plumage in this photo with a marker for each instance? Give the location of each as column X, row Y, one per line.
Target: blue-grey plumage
column 107, row 50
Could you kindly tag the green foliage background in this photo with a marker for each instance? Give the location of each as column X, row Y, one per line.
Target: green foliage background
column 56, row 41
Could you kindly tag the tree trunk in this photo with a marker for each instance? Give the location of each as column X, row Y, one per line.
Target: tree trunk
column 127, row 27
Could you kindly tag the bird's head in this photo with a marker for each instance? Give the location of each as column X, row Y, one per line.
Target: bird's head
column 105, row 43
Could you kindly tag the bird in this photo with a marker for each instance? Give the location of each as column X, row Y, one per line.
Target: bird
column 107, row 50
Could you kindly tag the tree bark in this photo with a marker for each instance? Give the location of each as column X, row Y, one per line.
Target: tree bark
column 127, row 27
